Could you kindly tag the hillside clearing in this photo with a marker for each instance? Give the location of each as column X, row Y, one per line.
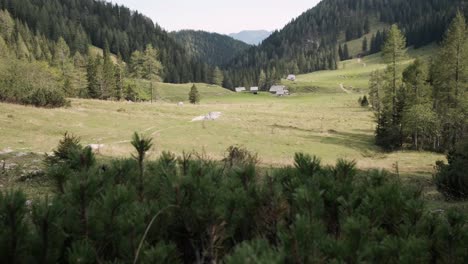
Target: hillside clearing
column 354, row 74
column 330, row 126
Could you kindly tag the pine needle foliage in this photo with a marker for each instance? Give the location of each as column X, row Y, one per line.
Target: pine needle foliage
column 194, row 95
column 196, row 210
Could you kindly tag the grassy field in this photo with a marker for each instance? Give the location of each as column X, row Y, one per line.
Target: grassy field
column 331, row 126
column 353, row 74
column 328, row 123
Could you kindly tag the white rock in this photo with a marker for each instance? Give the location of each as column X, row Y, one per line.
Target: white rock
column 6, row 151
column 96, row 147
column 209, row 116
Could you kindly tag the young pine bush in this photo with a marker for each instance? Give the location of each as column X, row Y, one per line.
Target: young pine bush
column 69, row 157
column 452, row 178
column 194, row 210
column 236, row 155
column 194, row 95
column 14, row 229
column 364, row 101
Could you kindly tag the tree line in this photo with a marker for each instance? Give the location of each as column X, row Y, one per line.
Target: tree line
column 89, row 22
column 313, row 41
column 309, row 43
column 424, row 105
column 60, row 72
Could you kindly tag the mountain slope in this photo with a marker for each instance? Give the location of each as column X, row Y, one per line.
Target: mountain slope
column 86, row 22
column 252, row 37
column 309, row 43
column 212, row 48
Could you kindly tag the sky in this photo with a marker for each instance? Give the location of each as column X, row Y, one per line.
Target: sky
column 220, row 16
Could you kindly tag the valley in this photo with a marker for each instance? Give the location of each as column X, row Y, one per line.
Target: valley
column 330, row 126
column 341, row 137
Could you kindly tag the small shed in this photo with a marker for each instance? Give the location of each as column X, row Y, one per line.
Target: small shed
column 254, row 90
column 240, row 89
column 291, row 77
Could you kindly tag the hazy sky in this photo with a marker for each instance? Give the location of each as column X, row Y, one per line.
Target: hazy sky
column 220, row 16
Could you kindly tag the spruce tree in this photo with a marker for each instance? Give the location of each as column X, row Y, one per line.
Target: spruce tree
column 217, row 77
column 393, row 53
column 136, row 67
column 194, row 96
column 346, row 52
column 61, row 55
column 450, row 77
column 364, row 44
column 93, row 86
column 151, row 66
column 416, row 77
column 262, row 80
column 364, row 101
column 108, row 85
column 340, row 53
column 4, row 50
column 451, row 67
column 119, row 78
column 7, row 25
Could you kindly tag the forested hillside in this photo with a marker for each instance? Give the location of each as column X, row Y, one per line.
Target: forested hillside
column 212, row 48
column 313, row 41
column 86, row 22
column 309, row 43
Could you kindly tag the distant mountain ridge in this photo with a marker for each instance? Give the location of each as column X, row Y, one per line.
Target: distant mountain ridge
column 211, row 48
column 252, row 37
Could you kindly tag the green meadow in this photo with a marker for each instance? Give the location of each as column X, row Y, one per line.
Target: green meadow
column 327, row 122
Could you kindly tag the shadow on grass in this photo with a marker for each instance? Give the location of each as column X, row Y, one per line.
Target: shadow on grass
column 294, row 128
column 363, row 143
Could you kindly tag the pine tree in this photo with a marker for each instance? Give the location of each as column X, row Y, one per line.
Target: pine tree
column 7, row 25
column 346, row 52
column 136, row 67
column 340, row 53
column 364, row 101
column 364, row 45
column 367, row 26
column 61, row 55
column 393, row 53
column 108, row 86
column 119, row 78
column 93, row 87
column 22, row 51
column 415, row 78
column 450, row 75
column 262, row 81
column 141, row 145
column 14, row 234
column 194, row 96
column 4, row 50
column 151, row 66
column 217, row 77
